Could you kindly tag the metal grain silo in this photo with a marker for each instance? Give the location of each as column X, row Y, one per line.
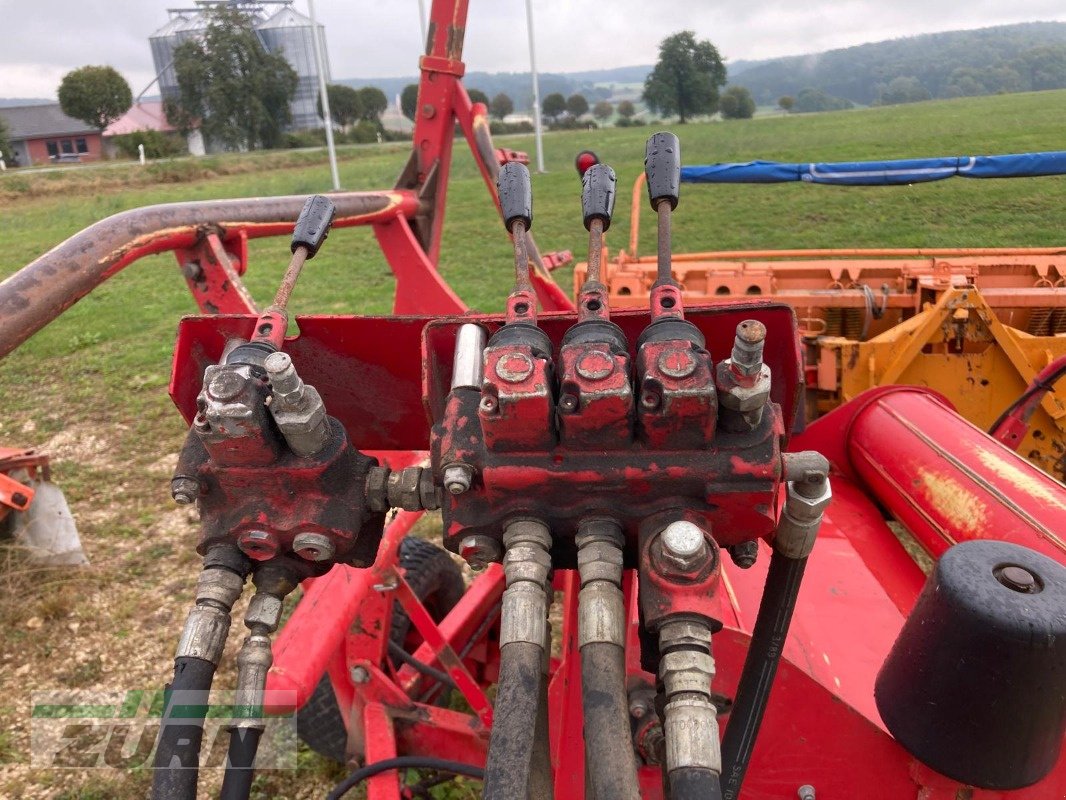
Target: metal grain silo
column 288, row 32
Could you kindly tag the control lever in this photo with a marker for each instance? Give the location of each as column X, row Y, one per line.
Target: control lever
column 598, row 190
column 516, row 203
column 662, row 167
column 312, row 227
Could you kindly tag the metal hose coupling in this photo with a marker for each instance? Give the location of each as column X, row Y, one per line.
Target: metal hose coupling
column 808, row 493
column 690, row 719
column 207, row 626
column 526, row 564
column 601, row 610
column 255, row 657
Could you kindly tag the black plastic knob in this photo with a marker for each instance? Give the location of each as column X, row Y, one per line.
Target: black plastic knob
column 516, row 195
column 598, row 189
column 312, row 226
column 662, row 166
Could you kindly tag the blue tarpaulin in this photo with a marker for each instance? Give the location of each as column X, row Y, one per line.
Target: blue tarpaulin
column 882, row 173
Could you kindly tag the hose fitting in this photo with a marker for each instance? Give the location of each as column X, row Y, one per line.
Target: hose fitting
column 690, row 719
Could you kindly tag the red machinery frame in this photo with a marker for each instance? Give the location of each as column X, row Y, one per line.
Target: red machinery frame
column 860, row 578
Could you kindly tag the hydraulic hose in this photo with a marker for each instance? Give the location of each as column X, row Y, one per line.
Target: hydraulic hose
column 610, row 760
column 694, row 783
column 510, row 759
column 177, row 755
column 524, row 637
column 808, row 494
column 608, row 739
column 181, row 731
column 760, row 667
column 237, row 781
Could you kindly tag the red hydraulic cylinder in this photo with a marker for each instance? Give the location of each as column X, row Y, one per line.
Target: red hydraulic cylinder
column 947, row 481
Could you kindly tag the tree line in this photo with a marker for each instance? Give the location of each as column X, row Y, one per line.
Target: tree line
column 1011, row 58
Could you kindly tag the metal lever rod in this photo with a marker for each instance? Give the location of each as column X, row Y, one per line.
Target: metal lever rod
column 312, row 227
column 662, row 167
column 516, row 202
column 598, row 189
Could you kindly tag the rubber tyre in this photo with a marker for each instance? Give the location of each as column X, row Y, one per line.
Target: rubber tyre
column 438, row 582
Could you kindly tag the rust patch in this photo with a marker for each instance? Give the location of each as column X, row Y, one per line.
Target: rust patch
column 948, row 498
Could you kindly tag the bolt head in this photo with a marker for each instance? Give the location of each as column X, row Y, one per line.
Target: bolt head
column 682, row 549
column 514, row 367
column 258, row 545
column 277, row 362
column 226, row 385
column 745, row 554
column 313, row 546
column 595, row 365
column 479, row 551
column 360, row 675
column 677, row 362
column 568, row 403
column 184, row 490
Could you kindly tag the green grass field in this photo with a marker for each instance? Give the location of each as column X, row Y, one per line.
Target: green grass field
column 91, row 388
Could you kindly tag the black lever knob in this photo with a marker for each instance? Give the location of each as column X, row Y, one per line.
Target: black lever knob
column 312, row 226
column 598, row 189
column 662, row 166
column 516, row 195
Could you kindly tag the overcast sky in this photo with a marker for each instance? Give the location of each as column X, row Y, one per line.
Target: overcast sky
column 40, row 40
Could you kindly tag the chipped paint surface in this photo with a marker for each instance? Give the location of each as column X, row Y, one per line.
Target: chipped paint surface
column 1040, row 488
column 953, row 502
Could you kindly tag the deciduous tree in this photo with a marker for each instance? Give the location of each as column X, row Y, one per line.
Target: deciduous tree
column 786, row 102
column 478, row 96
column 626, row 109
column 343, row 104
column 576, row 105
column 409, row 101
column 554, row 106
column 238, row 91
column 602, row 110
column 95, row 95
column 686, row 78
column 372, row 103
column 737, row 103
column 501, row 105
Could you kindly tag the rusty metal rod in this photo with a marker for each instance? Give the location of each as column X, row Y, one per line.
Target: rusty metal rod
column 288, row 281
column 664, row 266
column 593, row 275
column 522, row 282
column 41, row 291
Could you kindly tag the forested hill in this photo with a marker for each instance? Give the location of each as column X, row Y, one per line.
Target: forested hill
column 1008, row 58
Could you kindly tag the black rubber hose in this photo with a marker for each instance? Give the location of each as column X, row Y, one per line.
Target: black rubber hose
column 608, row 738
column 760, row 667
column 240, row 763
column 177, row 757
column 695, row 783
column 403, row 762
column 399, row 654
column 507, row 771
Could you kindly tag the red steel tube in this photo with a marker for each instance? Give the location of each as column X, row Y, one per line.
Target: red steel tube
column 947, row 481
column 41, row 291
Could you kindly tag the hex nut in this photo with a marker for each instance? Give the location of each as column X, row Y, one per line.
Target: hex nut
column 184, row 490
column 263, row 609
column 684, row 633
column 377, row 497
column 403, row 489
column 458, row 477
column 686, row 671
column 741, row 398
column 313, row 546
column 428, row 491
column 480, row 551
column 219, row 585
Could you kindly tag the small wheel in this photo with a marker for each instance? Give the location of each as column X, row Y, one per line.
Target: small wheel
column 437, row 581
